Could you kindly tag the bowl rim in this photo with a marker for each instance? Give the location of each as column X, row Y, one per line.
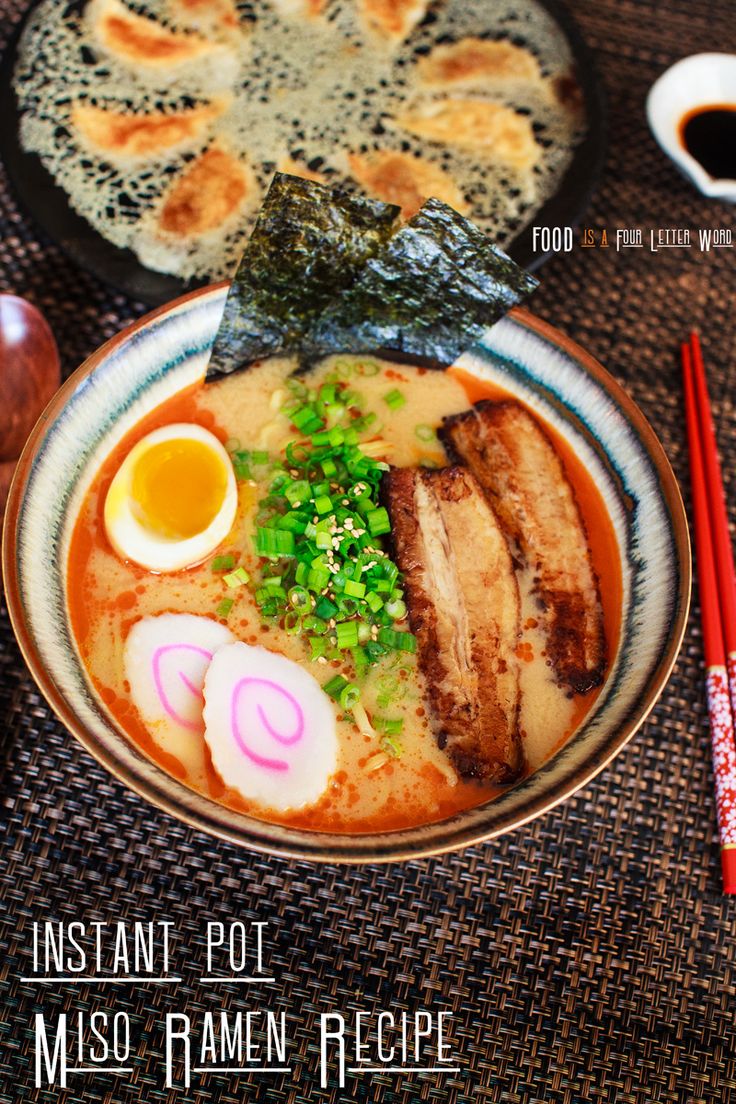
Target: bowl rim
column 345, row 848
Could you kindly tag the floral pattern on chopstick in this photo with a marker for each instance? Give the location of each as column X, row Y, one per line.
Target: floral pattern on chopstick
column 724, row 752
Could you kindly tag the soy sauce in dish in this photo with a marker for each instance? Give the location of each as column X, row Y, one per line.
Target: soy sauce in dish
column 708, row 133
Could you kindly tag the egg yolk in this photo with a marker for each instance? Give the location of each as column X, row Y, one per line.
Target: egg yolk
column 178, row 488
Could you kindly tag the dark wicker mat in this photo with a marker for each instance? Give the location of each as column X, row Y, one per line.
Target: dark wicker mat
column 588, row 957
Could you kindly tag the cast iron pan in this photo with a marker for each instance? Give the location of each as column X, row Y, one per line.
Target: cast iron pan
column 48, row 204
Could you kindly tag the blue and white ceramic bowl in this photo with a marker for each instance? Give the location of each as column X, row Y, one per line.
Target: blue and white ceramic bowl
column 168, row 350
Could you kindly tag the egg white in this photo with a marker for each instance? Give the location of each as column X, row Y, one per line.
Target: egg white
column 133, row 541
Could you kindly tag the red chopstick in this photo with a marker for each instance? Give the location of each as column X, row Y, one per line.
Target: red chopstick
column 716, row 677
column 718, row 512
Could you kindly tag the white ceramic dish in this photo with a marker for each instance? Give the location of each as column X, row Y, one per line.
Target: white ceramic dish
column 696, row 81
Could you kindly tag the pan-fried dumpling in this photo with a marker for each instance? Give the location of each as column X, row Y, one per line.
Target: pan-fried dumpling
column 405, row 180
column 392, row 19
column 210, row 191
column 474, row 61
column 298, row 168
column 206, row 15
column 141, row 41
column 124, row 135
column 299, row 9
column 487, row 128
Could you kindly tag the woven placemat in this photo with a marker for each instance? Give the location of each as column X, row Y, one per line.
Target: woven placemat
column 587, row 957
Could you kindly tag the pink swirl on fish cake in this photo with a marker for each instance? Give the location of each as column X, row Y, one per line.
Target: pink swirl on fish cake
column 286, row 739
column 158, row 680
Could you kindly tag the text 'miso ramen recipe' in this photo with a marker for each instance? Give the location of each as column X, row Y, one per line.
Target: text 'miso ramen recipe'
column 358, row 598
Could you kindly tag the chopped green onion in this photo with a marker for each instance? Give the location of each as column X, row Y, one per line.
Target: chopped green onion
column 274, row 542
column 315, row 624
column 236, row 578
column 347, row 634
column 223, row 563
column 349, row 696
column 361, row 662
column 425, row 433
column 305, row 419
column 318, row 578
column 241, row 466
column 401, row 641
column 335, row 687
column 298, row 492
column 324, row 573
column 393, row 745
column 224, row 607
column 293, row 622
column 299, row 598
column 297, row 387
column 395, row 399
column 294, row 521
column 373, row 601
column 325, row 608
column 297, row 455
column 378, row 521
column 389, row 726
column 367, row 368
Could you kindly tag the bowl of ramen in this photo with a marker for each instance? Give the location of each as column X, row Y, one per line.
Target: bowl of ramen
column 364, row 612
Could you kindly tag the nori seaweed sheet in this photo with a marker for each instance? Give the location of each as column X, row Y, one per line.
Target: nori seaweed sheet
column 429, row 294
column 324, row 272
column 308, row 244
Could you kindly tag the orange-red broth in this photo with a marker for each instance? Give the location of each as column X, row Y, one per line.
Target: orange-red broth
column 371, row 791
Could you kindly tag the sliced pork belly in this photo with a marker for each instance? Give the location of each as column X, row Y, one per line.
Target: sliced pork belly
column 517, row 466
column 463, row 602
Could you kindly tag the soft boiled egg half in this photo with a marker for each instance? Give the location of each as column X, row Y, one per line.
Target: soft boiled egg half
column 172, row 500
